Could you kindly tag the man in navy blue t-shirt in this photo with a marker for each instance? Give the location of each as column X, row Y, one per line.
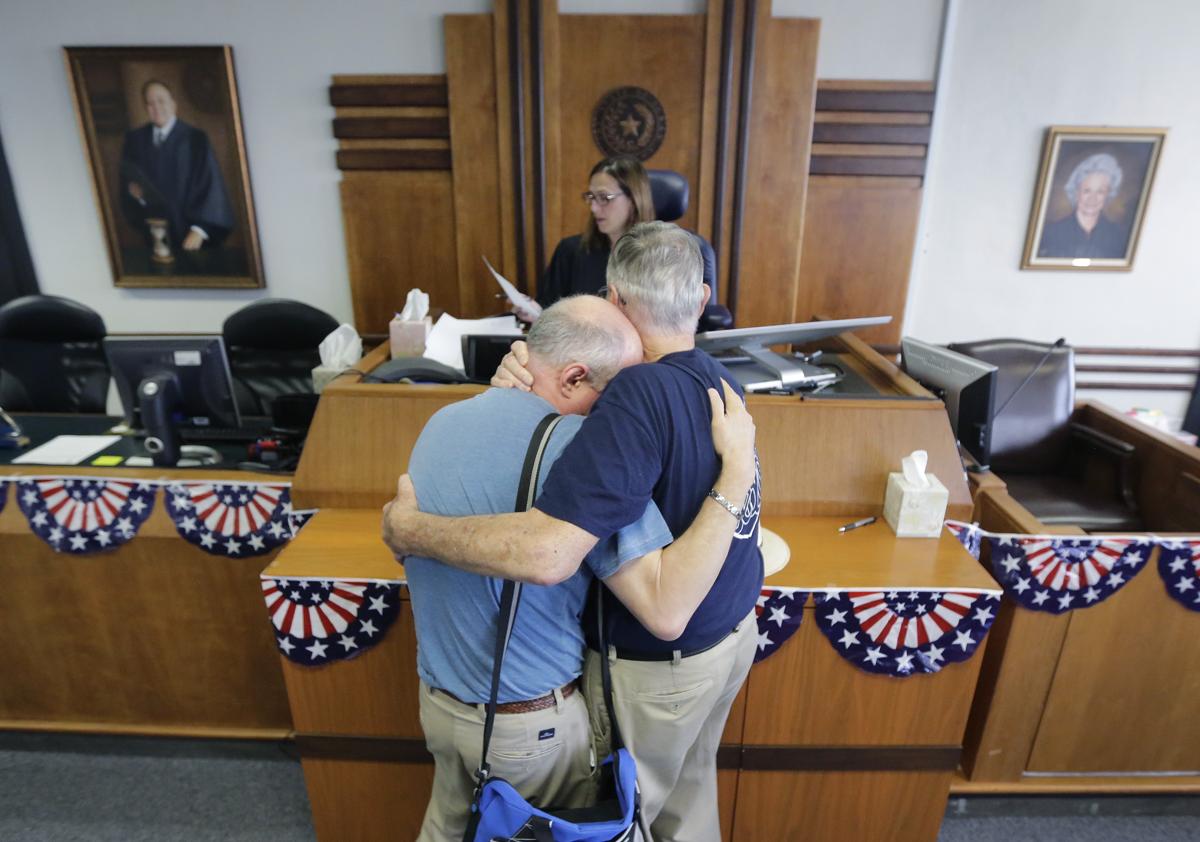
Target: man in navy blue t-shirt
column 647, row 438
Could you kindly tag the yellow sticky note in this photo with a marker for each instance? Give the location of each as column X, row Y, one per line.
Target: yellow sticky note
column 107, row 461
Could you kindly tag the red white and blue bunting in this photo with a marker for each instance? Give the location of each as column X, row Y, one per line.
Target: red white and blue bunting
column 1179, row 567
column 85, row 514
column 318, row 621
column 1057, row 573
column 779, row 612
column 900, row 633
column 90, row 514
column 231, row 519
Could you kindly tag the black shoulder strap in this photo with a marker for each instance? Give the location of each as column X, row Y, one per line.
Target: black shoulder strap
column 510, row 596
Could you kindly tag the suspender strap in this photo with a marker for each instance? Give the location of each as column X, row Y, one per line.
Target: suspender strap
column 510, row 595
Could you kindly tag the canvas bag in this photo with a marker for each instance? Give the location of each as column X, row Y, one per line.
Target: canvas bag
column 498, row 812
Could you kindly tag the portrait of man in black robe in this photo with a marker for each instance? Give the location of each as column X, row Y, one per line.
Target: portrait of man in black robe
column 168, row 171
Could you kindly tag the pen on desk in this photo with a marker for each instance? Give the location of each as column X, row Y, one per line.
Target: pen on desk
column 867, row 521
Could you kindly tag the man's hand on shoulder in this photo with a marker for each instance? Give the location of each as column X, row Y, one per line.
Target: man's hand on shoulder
column 733, row 438
column 512, row 373
column 396, row 513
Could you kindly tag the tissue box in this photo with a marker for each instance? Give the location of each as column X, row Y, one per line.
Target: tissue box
column 408, row 338
column 323, row 374
column 915, row 511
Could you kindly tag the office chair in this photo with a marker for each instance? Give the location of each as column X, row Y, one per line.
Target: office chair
column 272, row 347
column 51, row 359
column 670, row 192
column 1062, row 471
column 1191, row 418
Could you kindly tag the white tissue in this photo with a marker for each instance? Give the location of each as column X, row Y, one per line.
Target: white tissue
column 913, row 467
column 340, row 349
column 416, row 307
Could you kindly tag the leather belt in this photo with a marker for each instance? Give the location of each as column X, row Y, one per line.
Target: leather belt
column 630, row 655
column 527, row 706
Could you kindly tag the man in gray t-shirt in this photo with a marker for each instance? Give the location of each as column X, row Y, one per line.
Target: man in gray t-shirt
column 468, row 460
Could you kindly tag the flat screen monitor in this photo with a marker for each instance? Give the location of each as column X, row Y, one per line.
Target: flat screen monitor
column 772, row 370
column 171, row 383
column 966, row 385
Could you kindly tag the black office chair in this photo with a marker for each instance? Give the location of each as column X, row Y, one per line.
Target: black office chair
column 1062, row 471
column 51, row 357
column 272, row 347
column 1191, row 419
column 670, row 192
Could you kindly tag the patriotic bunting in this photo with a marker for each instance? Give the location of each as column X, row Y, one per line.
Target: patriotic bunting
column 85, row 515
column 968, row 534
column 1179, row 567
column 907, row 632
column 1057, row 574
column 318, row 621
column 779, row 612
column 298, row 519
column 231, row 519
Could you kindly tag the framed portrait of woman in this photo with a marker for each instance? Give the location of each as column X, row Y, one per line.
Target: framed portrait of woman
column 163, row 134
column 1091, row 197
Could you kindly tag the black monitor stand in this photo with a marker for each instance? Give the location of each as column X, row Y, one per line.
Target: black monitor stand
column 159, row 400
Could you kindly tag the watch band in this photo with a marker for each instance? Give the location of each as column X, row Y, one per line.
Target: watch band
column 736, row 511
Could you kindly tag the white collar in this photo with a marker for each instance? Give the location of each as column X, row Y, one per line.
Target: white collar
column 165, row 131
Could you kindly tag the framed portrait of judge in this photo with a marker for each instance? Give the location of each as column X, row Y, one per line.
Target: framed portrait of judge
column 1091, row 197
column 163, row 135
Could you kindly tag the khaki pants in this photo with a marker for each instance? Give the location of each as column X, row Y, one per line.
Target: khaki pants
column 671, row 717
column 553, row 770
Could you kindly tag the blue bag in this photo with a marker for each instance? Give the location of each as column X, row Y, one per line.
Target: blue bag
column 498, row 812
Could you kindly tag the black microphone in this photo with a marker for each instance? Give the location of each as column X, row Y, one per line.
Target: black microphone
column 1061, row 341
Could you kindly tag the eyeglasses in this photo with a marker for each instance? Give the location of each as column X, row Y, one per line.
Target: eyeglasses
column 601, row 199
column 603, row 293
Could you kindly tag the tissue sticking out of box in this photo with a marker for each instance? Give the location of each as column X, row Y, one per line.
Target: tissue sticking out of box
column 913, row 467
column 416, row 306
column 340, row 350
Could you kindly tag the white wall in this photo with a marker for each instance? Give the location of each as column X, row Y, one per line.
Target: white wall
column 285, row 52
column 1014, row 69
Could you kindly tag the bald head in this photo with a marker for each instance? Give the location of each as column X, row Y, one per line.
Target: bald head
column 575, row 347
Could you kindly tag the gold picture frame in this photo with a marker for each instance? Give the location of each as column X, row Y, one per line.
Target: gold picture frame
column 1090, row 201
column 162, row 130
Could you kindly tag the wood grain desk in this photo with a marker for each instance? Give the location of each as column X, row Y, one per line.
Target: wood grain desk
column 1107, row 689
column 155, row 637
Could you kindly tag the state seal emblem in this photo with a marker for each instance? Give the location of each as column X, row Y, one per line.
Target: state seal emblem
column 629, row 121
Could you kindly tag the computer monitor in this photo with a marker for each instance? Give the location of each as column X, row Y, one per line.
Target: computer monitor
column 169, row 383
column 774, row 370
column 966, row 385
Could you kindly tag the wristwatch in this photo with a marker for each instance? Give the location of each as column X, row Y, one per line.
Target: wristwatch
column 736, row 511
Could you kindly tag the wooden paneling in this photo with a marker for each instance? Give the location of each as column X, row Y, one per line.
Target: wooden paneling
column 383, row 90
column 361, row 801
column 829, row 132
column 873, row 98
column 393, row 159
column 727, row 782
column 371, row 127
column 1167, row 474
column 776, row 174
column 864, row 806
column 863, row 165
column 399, row 235
column 860, row 242
column 470, row 70
column 845, row 444
column 845, row 706
column 664, row 54
column 317, row 694
column 155, row 637
column 1018, row 667
column 1124, row 695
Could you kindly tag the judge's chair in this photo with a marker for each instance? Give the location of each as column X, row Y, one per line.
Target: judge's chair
column 1062, row 471
column 670, row 192
column 51, row 357
column 272, row 347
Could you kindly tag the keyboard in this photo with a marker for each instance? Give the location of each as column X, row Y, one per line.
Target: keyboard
column 220, row 434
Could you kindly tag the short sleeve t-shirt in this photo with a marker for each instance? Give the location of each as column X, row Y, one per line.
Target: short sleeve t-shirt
column 468, row 461
column 649, row 438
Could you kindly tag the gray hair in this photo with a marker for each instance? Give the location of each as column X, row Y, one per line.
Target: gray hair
column 659, row 273
column 563, row 335
column 1102, row 163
